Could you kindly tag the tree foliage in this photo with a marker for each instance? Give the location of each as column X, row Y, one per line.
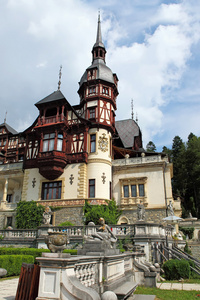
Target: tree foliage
column 29, row 215
column 186, row 172
column 109, row 212
column 151, row 147
column 168, row 152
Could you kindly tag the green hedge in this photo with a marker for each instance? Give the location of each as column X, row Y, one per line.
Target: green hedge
column 175, row 269
column 13, row 263
column 30, row 251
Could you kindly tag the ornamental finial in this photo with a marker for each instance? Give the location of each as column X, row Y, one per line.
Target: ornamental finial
column 99, row 14
column 60, row 74
column 132, row 113
column 5, row 117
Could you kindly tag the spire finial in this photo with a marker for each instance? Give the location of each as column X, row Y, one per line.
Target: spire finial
column 136, row 117
column 132, row 113
column 99, row 37
column 99, row 15
column 60, row 74
column 5, row 117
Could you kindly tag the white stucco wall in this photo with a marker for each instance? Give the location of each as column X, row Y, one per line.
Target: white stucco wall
column 154, row 186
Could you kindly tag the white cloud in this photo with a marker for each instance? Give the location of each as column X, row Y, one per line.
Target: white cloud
column 39, row 36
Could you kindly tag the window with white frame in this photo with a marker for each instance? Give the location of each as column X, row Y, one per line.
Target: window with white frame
column 133, row 188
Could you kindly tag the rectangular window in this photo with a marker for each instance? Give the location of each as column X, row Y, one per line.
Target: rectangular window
column 126, row 191
column 9, row 198
column 9, row 221
column 91, row 188
column 48, row 142
column 93, row 143
column 92, row 90
column 92, row 113
column 141, row 190
column 51, row 190
column 133, row 190
column 59, row 142
column 110, row 192
column 105, row 90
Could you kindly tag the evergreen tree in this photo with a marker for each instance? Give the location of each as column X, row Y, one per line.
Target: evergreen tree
column 193, row 172
column 151, row 147
column 179, row 181
column 168, row 152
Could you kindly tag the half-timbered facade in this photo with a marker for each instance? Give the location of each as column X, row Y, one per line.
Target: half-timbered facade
column 73, row 153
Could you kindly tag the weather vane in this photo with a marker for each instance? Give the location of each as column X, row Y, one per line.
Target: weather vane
column 60, row 74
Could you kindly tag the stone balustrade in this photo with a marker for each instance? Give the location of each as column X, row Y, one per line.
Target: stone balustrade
column 139, row 160
column 86, row 273
column 79, row 231
column 19, row 233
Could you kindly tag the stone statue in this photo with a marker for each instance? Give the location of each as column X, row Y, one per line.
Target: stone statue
column 140, row 212
column 104, row 232
column 47, row 215
column 101, row 241
column 170, row 210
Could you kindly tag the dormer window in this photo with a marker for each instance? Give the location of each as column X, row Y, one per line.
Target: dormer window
column 91, row 74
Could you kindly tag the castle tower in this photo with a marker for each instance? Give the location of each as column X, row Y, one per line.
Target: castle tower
column 98, row 92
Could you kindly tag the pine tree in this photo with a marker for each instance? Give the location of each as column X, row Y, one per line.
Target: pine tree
column 151, row 147
column 193, row 172
column 179, row 181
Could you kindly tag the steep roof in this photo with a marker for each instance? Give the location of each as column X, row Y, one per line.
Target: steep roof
column 127, row 131
column 9, row 128
column 55, row 96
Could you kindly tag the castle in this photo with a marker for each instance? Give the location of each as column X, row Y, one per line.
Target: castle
column 73, row 153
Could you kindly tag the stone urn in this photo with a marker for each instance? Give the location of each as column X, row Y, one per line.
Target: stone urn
column 56, row 241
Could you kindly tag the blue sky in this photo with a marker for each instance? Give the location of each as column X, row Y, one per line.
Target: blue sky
column 152, row 45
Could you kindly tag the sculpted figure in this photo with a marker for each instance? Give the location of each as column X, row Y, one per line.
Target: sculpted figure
column 47, row 215
column 140, row 212
column 104, row 233
column 170, row 210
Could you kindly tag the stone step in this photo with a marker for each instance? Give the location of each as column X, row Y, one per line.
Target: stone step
column 142, row 297
column 125, row 289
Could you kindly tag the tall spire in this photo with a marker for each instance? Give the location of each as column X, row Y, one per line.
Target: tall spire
column 99, row 50
column 99, row 36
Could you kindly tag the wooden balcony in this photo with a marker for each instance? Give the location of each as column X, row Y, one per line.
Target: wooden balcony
column 51, row 164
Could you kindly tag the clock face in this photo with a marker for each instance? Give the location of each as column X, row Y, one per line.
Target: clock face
column 103, row 143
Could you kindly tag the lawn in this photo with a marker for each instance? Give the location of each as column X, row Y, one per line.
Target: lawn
column 168, row 294
column 191, row 280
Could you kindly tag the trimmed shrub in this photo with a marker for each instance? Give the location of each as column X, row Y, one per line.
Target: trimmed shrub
column 187, row 231
column 175, row 269
column 66, row 223
column 30, row 251
column 13, row 263
column 193, row 274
